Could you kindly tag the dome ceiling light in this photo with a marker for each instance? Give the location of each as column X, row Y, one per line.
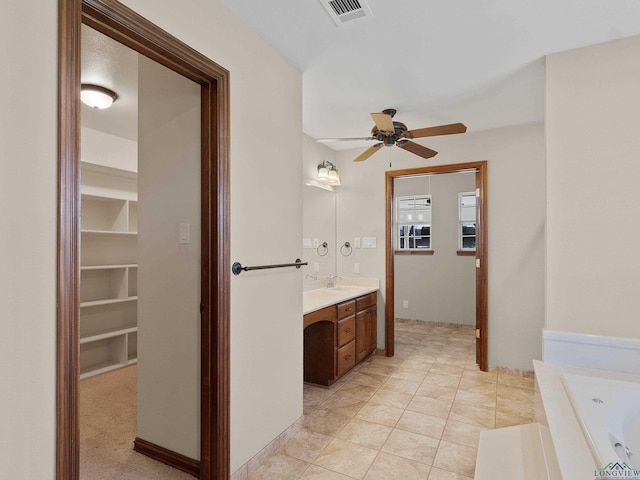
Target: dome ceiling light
column 96, row 96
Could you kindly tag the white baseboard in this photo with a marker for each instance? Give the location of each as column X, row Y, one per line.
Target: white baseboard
column 591, row 351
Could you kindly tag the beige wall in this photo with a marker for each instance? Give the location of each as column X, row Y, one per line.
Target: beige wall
column 592, row 105
column 516, row 186
column 266, row 192
column 168, row 406
column 438, row 287
column 28, row 172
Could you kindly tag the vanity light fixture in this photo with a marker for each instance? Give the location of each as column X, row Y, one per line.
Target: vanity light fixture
column 328, row 172
column 96, row 96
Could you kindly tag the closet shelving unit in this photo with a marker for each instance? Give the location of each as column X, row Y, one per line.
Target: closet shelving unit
column 108, row 271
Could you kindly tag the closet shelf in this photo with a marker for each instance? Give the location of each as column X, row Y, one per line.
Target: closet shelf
column 108, row 334
column 109, row 272
column 111, row 301
column 108, row 267
column 111, row 233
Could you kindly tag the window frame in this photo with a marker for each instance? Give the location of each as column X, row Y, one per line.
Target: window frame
column 461, row 222
column 404, row 250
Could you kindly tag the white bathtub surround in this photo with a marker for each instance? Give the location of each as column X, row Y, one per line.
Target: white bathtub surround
column 609, row 414
column 572, row 447
column 518, row 453
column 592, row 351
column 558, row 446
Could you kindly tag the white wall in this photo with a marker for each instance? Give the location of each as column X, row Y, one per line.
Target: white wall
column 439, row 287
column 168, row 403
column 593, row 273
column 28, row 167
column 516, row 169
column 266, row 327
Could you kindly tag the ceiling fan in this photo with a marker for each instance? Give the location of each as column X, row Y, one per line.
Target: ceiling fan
column 390, row 133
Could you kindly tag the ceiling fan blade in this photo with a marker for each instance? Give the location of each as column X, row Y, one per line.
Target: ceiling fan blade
column 383, row 121
column 413, row 147
column 439, row 130
column 343, row 139
column 367, row 153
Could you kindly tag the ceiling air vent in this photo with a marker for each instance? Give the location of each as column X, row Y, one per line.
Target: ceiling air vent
column 346, row 11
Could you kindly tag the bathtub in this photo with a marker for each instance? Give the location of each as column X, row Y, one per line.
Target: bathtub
column 609, row 414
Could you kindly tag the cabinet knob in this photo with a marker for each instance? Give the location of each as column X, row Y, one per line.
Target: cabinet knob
column 349, row 309
column 349, row 330
column 348, row 357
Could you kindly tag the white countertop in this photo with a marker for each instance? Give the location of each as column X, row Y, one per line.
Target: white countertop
column 316, row 296
column 571, row 445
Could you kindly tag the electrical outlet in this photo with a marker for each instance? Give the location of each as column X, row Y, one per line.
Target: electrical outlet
column 356, row 268
column 316, row 267
column 316, row 242
column 405, row 304
column 356, row 242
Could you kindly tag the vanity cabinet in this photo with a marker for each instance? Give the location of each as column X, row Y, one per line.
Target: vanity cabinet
column 338, row 337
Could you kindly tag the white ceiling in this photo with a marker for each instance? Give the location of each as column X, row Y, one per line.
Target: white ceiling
column 110, row 64
column 480, row 62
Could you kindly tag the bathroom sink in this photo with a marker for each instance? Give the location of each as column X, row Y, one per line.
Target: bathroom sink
column 346, row 289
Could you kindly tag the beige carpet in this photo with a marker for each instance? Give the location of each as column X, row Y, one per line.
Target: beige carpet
column 108, row 429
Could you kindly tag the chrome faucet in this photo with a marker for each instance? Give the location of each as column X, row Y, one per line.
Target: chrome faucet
column 330, row 283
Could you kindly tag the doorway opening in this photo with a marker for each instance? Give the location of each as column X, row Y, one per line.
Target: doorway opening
column 125, row 26
column 481, row 282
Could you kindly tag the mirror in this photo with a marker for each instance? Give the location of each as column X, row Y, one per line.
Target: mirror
column 318, row 225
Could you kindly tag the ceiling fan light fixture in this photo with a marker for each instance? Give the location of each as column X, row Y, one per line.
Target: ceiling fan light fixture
column 96, row 96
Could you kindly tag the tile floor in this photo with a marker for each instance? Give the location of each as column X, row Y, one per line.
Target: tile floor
column 415, row 416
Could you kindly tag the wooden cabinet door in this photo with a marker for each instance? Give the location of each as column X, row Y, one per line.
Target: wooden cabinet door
column 372, row 331
column 362, row 333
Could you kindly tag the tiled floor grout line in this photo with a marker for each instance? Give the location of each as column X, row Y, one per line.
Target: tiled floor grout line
column 446, row 352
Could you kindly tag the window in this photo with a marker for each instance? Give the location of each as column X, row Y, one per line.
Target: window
column 467, row 221
column 413, row 224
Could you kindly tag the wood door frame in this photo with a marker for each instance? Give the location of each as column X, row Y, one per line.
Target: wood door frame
column 480, row 168
column 124, row 25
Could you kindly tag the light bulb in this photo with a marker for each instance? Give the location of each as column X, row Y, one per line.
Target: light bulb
column 323, row 173
column 97, row 97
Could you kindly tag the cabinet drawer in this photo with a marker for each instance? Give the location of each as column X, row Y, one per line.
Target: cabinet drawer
column 324, row 314
column 346, row 330
column 366, row 301
column 347, row 308
column 346, row 358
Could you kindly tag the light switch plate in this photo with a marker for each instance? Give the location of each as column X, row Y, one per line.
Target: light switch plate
column 356, row 242
column 185, row 234
column 316, row 242
column 369, row 242
column 316, row 267
column 306, row 243
column 356, row 268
